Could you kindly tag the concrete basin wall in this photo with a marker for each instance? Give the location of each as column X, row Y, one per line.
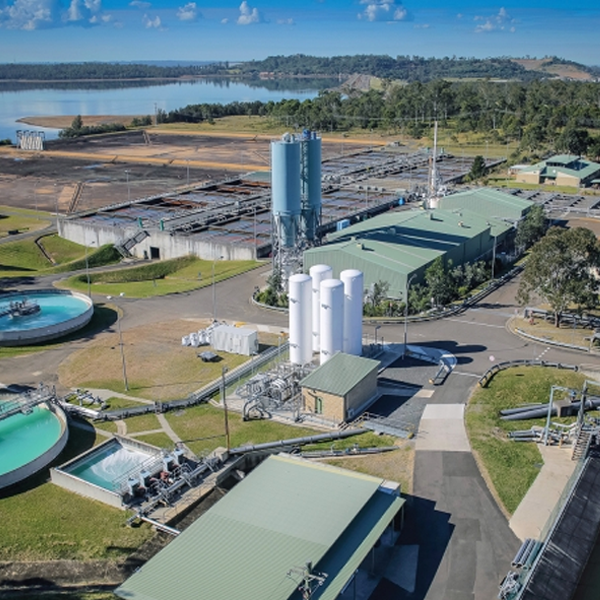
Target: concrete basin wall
column 49, row 332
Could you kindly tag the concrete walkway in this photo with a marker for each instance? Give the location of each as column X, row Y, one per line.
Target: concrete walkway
column 539, row 502
column 442, row 429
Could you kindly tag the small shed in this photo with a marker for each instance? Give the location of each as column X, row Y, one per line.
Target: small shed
column 340, row 388
column 235, row 340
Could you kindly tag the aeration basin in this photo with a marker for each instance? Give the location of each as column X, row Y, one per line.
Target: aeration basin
column 29, row 442
column 60, row 313
column 111, row 471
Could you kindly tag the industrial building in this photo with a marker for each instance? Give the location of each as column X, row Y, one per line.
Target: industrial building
column 562, row 169
column 289, row 522
column 399, row 246
column 340, row 388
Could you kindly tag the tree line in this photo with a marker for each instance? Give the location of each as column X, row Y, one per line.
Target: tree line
column 538, row 114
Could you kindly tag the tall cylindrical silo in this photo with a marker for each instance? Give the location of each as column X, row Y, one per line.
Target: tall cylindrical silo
column 311, row 183
column 332, row 318
column 285, row 188
column 318, row 273
column 353, row 308
column 299, row 295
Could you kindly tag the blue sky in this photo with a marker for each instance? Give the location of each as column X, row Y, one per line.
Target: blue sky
column 110, row 30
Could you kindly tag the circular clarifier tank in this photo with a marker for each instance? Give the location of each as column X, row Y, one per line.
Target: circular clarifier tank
column 29, row 442
column 60, row 312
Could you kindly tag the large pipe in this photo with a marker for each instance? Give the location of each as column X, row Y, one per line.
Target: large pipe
column 160, row 526
column 536, row 413
column 311, row 439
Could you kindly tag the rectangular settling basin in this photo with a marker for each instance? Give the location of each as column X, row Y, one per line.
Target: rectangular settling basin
column 102, row 472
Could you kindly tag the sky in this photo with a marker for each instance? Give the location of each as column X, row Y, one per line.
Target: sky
column 130, row 30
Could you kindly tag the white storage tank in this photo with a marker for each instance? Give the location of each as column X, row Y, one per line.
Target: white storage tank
column 353, row 309
column 318, row 273
column 332, row 318
column 300, row 287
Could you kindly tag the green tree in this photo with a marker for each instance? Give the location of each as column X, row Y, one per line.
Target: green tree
column 77, row 123
column 478, row 167
column 531, row 228
column 573, row 140
column 440, row 282
column 561, row 271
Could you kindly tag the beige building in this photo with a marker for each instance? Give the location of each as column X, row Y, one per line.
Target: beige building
column 562, row 169
column 341, row 388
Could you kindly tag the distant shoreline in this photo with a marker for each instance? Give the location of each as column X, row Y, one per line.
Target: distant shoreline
column 64, row 121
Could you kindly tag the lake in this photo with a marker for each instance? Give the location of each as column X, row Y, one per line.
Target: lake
column 134, row 98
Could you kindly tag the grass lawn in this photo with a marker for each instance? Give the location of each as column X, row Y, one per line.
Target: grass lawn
column 115, row 402
column 512, row 466
column 147, row 422
column 202, row 429
column 158, row 367
column 41, row 521
column 20, row 221
column 565, row 334
column 161, row 440
column 394, row 466
column 193, row 274
column 105, row 426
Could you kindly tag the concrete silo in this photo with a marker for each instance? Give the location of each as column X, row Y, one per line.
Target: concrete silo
column 331, row 318
column 318, row 273
column 299, row 295
column 353, row 309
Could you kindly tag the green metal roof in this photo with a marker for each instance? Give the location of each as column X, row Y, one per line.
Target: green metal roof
column 340, row 374
column 286, row 512
column 488, row 203
column 567, row 164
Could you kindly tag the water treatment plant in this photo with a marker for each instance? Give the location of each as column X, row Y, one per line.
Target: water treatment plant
column 317, row 375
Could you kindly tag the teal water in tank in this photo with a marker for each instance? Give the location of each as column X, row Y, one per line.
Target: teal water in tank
column 25, row 437
column 55, row 308
column 109, row 465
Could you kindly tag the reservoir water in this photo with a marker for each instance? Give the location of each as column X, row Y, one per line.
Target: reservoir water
column 126, row 98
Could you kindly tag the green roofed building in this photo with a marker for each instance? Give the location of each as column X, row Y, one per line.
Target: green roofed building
column 395, row 246
column 341, row 387
column 562, row 169
column 255, row 541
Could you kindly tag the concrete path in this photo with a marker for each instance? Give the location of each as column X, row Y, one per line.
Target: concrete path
column 442, row 428
column 539, row 502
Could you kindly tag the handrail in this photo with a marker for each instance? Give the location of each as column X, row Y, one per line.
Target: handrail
column 487, row 376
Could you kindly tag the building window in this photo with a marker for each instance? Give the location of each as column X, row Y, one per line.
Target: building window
column 319, row 405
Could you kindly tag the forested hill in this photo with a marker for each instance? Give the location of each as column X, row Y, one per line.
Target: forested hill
column 405, row 68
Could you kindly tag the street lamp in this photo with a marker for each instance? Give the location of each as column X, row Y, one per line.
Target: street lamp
column 87, row 270
column 406, row 312
column 188, row 171
column 376, row 328
column 224, row 395
column 121, row 343
column 127, row 171
column 214, row 289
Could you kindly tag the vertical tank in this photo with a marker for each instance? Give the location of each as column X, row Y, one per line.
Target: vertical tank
column 311, row 183
column 332, row 318
column 300, row 319
column 353, row 308
column 318, row 273
column 285, row 189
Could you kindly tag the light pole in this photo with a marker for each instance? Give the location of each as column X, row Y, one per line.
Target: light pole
column 121, row 342
column 227, row 440
column 377, row 327
column 214, row 289
column 188, row 171
column 87, row 270
column 127, row 171
column 408, row 281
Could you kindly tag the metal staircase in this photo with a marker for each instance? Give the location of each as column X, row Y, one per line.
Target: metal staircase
column 582, row 443
column 124, row 247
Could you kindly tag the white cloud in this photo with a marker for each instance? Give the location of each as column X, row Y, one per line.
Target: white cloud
column 285, row 22
column 140, row 4
column 29, row 14
column 224, row 21
column 188, row 12
column 498, row 22
column 383, row 10
column 151, row 23
column 248, row 15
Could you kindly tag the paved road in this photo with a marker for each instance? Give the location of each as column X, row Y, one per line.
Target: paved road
column 463, row 541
